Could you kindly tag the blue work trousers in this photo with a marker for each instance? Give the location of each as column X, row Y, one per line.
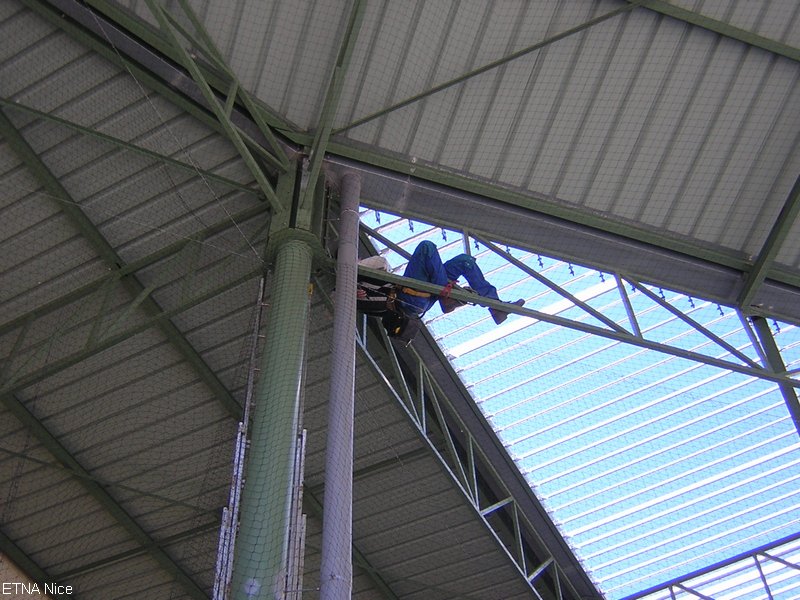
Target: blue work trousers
column 426, row 265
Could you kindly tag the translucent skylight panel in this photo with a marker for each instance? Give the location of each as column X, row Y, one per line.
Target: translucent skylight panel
column 653, row 465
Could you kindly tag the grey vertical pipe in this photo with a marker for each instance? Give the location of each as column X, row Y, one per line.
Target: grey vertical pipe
column 336, row 572
column 262, row 542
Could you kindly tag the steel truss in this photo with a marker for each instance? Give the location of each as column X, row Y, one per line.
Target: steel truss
column 769, row 366
column 693, row 583
column 460, row 458
column 430, row 407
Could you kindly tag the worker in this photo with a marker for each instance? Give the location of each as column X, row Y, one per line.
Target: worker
column 425, row 264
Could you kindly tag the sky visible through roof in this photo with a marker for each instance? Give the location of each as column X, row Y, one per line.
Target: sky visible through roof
column 652, row 465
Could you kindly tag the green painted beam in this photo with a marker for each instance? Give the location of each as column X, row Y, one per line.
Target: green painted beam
column 241, row 93
column 168, row 27
column 104, row 483
column 722, row 28
column 65, row 362
column 163, row 86
column 333, row 96
column 84, row 225
column 107, row 51
column 100, row 495
column 488, row 67
column 775, row 360
column 144, row 31
column 128, row 269
column 274, row 156
column 138, row 551
column 128, row 146
column 780, row 229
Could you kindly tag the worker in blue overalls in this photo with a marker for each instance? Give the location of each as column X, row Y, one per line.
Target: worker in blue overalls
column 425, row 264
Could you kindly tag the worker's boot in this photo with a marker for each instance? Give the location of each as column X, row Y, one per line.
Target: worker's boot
column 499, row 315
column 448, row 304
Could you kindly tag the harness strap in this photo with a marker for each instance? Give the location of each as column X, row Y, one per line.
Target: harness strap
column 447, row 289
column 412, row 292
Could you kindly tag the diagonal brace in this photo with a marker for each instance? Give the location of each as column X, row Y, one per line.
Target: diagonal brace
column 74, row 213
column 97, row 491
column 216, row 106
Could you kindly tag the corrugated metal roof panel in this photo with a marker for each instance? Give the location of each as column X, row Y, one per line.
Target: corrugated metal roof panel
column 640, row 119
column 600, row 114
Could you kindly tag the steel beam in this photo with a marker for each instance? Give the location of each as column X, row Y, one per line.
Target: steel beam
column 128, row 146
column 783, row 224
column 105, row 483
column 711, row 568
column 188, row 534
column 333, row 96
column 168, row 27
column 526, row 223
column 628, row 338
column 130, row 268
column 100, row 495
column 724, row 29
column 495, row 460
column 236, row 91
column 147, row 66
column 550, row 228
column 84, row 225
column 775, row 361
column 489, row 66
column 464, row 471
column 56, row 366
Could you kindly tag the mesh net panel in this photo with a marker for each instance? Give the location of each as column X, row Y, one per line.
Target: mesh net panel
column 132, row 241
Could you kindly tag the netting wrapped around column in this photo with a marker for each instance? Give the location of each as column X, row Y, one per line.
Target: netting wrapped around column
column 262, row 544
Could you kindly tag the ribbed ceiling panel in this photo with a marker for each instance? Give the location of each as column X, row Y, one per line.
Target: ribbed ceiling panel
column 669, row 121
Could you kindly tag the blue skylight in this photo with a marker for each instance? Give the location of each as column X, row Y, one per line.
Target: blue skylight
column 652, row 464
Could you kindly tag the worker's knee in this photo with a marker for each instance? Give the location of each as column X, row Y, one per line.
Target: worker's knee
column 426, row 248
column 465, row 262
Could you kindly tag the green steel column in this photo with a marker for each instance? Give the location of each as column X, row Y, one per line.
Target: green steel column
column 262, row 542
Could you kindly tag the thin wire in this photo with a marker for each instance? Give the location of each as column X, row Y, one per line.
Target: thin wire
column 177, row 236
column 183, row 150
column 106, row 483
